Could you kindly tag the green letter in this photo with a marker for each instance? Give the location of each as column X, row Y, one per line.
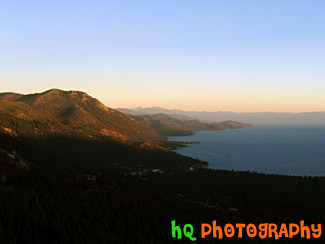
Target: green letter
column 190, row 232
column 174, row 229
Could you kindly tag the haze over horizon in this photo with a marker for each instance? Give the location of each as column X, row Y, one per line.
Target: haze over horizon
column 233, row 56
column 225, row 111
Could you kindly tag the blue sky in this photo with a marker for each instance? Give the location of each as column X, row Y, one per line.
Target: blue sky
column 242, row 56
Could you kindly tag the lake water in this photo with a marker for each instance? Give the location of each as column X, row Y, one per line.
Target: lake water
column 286, row 151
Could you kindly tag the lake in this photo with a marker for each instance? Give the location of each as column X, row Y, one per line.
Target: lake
column 285, row 151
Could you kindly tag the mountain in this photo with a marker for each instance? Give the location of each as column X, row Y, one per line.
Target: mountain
column 138, row 111
column 171, row 126
column 69, row 112
column 67, row 129
column 262, row 118
column 58, row 127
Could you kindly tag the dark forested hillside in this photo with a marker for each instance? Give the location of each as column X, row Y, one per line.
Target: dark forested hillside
column 104, row 197
column 62, row 181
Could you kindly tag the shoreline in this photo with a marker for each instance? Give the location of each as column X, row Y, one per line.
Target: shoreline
column 281, row 170
column 174, row 145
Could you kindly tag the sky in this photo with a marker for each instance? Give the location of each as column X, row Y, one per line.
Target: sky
column 241, row 56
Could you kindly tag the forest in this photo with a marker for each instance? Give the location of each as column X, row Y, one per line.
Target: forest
column 60, row 197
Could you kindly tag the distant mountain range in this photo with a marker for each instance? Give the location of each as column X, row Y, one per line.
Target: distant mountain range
column 262, row 118
column 173, row 125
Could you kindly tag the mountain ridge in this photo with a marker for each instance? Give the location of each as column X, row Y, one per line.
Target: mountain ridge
column 172, row 126
column 77, row 111
column 257, row 118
